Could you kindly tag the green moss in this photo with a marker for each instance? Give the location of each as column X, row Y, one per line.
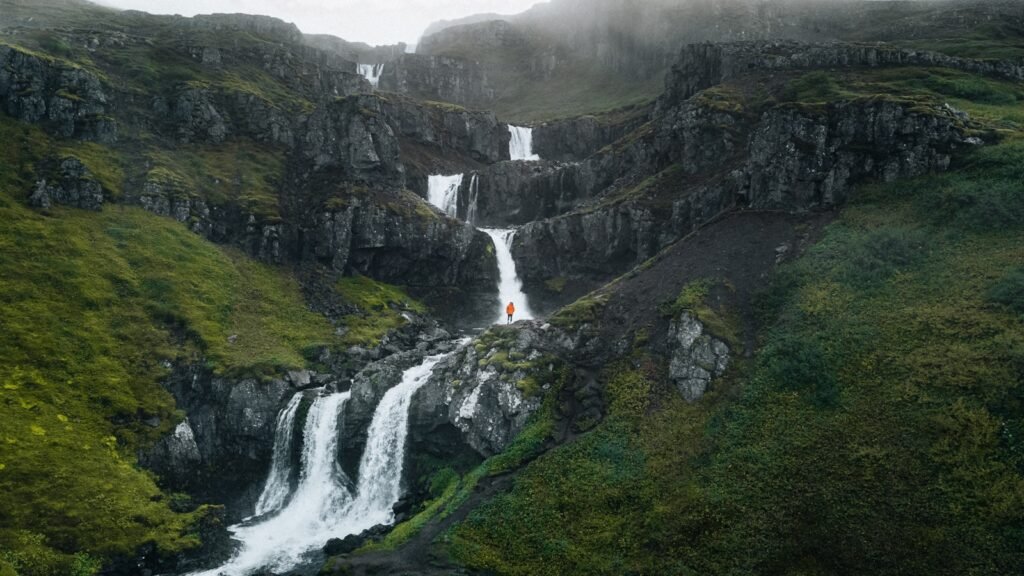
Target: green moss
column 380, row 309
column 884, row 406
column 556, row 285
column 93, row 305
column 1002, row 41
column 103, row 163
column 584, row 311
column 695, row 298
column 239, row 172
column 443, row 489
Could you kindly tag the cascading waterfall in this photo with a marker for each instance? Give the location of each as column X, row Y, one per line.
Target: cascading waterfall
column 280, row 541
column 521, row 145
column 323, row 506
column 277, row 488
column 474, row 194
column 510, row 288
column 372, row 72
column 443, row 192
column 380, row 470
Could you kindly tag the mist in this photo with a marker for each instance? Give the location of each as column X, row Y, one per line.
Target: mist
column 376, row 22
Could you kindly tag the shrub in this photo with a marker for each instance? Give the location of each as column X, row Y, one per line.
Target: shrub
column 1009, row 291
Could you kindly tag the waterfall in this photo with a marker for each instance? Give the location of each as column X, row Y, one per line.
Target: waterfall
column 443, row 192
column 277, row 488
column 510, row 289
column 323, row 506
column 372, row 72
column 521, row 145
column 380, row 470
column 474, row 194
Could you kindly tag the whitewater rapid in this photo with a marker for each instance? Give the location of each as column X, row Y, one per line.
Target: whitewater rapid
column 324, row 505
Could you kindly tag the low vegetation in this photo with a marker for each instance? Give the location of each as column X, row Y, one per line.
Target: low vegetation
column 877, row 431
column 379, row 309
column 93, row 307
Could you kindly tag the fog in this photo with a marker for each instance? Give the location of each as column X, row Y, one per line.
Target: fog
column 372, row 21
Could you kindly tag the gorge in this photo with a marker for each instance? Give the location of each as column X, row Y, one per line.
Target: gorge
column 766, row 260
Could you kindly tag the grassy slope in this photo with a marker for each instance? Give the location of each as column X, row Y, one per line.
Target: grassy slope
column 878, row 430
column 92, row 305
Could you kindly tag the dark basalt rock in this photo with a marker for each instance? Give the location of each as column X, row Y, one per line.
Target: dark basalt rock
column 700, row 66
column 437, row 78
column 62, row 96
column 71, row 184
column 351, row 543
column 697, row 160
column 574, row 139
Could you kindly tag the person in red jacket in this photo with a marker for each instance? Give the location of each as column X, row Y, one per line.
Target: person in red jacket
column 511, row 311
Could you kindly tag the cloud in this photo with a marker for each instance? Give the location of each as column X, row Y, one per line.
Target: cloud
column 372, row 21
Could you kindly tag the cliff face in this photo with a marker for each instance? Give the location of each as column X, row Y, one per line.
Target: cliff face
column 338, row 199
column 701, row 66
column 438, row 138
column 701, row 157
column 574, row 139
column 438, row 78
column 61, row 95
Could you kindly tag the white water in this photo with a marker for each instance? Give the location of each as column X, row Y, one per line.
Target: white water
column 372, row 72
column 474, row 193
column 521, row 146
column 510, row 288
column 322, row 507
column 443, row 192
column 380, row 470
column 277, row 488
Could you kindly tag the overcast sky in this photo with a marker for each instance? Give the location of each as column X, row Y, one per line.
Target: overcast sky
column 371, row 21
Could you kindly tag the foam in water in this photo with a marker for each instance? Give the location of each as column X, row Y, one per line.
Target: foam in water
column 372, row 72
column 322, row 506
column 278, row 488
column 521, row 145
column 510, row 289
column 443, row 192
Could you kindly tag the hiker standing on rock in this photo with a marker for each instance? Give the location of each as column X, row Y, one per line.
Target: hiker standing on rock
column 511, row 311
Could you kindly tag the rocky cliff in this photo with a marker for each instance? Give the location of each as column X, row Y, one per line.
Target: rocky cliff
column 704, row 154
column 438, row 78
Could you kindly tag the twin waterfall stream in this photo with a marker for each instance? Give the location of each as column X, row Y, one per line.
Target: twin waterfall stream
column 294, row 519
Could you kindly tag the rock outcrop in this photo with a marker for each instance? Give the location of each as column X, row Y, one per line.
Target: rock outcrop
column 516, row 192
column 574, row 139
column 699, row 158
column 222, row 452
column 69, row 184
column 63, row 96
column 438, row 138
column 700, row 66
column 697, row 357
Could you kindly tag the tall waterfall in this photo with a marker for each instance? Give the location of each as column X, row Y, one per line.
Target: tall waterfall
column 323, row 505
column 443, row 192
column 510, row 288
column 521, row 146
column 372, row 72
column 474, row 196
column 380, row 470
column 277, row 488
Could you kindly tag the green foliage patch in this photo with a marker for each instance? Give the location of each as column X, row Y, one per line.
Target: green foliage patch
column 380, row 308
column 878, row 430
column 92, row 306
